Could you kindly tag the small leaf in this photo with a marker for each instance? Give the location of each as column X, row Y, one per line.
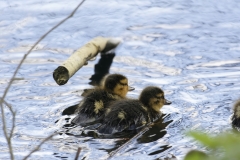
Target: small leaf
column 204, row 139
column 196, row 155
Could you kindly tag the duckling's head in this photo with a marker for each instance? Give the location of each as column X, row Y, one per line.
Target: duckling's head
column 116, row 83
column 153, row 97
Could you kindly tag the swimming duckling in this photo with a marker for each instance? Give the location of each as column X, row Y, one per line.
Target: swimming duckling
column 92, row 107
column 236, row 115
column 132, row 114
column 100, row 70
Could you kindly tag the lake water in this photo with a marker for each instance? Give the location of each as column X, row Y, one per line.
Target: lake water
column 188, row 48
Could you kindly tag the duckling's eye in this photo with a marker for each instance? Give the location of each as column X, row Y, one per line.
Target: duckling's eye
column 160, row 97
column 124, row 84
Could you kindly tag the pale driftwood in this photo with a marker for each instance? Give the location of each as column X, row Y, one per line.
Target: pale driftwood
column 81, row 57
column 83, row 54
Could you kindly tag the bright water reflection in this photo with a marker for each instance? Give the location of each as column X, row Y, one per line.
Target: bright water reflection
column 189, row 48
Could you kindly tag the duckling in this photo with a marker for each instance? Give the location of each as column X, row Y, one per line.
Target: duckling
column 236, row 115
column 92, row 107
column 100, row 70
column 131, row 114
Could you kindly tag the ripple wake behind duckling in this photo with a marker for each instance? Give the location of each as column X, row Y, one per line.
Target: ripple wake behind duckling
column 132, row 114
column 92, row 107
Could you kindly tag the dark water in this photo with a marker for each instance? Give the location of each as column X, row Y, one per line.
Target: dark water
column 188, row 48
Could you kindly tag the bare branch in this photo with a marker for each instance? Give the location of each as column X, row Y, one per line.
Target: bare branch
column 2, row 100
column 38, row 147
column 111, row 154
column 78, row 152
column 145, row 129
column 8, row 138
column 8, row 105
column 13, row 120
column 25, row 56
column 3, row 120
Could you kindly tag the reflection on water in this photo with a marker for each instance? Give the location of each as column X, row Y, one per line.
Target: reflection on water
column 188, row 48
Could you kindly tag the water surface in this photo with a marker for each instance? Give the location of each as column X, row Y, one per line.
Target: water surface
column 188, row 48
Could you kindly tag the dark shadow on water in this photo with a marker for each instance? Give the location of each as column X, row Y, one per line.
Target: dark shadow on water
column 156, row 132
column 162, row 149
column 118, row 144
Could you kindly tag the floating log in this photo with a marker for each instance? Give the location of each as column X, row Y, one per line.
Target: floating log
column 79, row 58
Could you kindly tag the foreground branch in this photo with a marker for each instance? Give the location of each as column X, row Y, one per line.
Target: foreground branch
column 25, row 56
column 78, row 152
column 13, row 118
column 8, row 137
column 38, row 147
column 145, row 129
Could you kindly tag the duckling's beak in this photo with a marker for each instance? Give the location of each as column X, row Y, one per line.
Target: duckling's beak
column 130, row 88
column 167, row 102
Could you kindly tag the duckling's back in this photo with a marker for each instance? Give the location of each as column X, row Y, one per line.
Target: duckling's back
column 92, row 107
column 154, row 115
column 124, row 115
